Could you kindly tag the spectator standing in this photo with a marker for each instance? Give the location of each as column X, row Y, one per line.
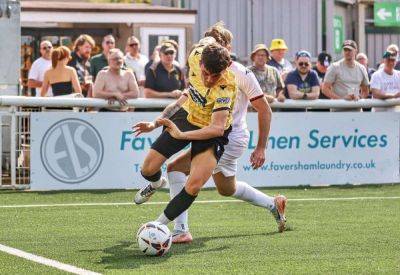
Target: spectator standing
column 62, row 78
column 164, row 79
column 392, row 48
column 269, row 78
column 302, row 83
column 346, row 77
column 116, row 83
column 324, row 60
column 363, row 60
column 385, row 83
column 100, row 61
column 83, row 46
column 39, row 67
column 278, row 50
column 136, row 61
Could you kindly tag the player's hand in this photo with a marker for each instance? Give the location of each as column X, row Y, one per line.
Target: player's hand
column 172, row 129
column 143, row 127
column 257, row 158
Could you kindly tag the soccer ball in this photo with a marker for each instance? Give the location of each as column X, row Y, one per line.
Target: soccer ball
column 154, row 239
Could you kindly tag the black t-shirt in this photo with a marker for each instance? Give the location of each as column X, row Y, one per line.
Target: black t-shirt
column 161, row 80
column 81, row 66
column 321, row 77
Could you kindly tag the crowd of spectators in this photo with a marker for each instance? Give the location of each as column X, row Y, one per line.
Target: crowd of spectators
column 114, row 75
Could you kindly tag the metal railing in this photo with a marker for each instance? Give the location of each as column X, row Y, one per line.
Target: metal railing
column 16, row 113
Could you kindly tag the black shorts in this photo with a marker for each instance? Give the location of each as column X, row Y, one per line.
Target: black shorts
column 167, row 146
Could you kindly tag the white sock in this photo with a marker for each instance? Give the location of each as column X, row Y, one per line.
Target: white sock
column 247, row 193
column 163, row 219
column 156, row 184
column 177, row 182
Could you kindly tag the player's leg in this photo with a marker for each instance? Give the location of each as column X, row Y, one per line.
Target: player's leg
column 200, row 171
column 162, row 149
column 228, row 186
column 178, row 170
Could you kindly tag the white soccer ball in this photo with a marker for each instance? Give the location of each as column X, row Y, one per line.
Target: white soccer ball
column 154, row 239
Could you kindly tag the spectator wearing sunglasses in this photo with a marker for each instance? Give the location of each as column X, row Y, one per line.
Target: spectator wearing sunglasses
column 39, row 67
column 99, row 61
column 302, row 83
column 346, row 77
column 166, row 79
column 136, row 61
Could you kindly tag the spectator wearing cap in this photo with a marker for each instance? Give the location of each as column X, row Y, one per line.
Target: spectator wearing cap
column 385, row 83
column 136, row 61
column 278, row 50
column 155, row 56
column 346, row 77
column 302, row 83
column 269, row 78
column 100, row 61
column 164, row 79
column 39, row 68
column 392, row 48
column 324, row 60
column 363, row 60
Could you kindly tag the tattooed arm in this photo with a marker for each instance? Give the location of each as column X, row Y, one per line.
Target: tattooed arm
column 169, row 111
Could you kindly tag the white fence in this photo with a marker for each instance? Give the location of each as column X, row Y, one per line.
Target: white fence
column 15, row 130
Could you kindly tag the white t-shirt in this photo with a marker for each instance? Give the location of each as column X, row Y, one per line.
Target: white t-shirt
column 387, row 84
column 249, row 89
column 137, row 65
column 39, row 67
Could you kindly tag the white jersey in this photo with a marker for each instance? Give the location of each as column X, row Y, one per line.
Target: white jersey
column 249, row 90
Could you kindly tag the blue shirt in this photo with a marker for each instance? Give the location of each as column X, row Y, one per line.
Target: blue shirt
column 304, row 86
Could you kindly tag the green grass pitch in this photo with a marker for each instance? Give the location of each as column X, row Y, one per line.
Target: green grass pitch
column 329, row 236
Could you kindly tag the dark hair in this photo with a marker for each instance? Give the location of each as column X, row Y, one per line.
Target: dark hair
column 82, row 39
column 215, row 58
column 221, row 34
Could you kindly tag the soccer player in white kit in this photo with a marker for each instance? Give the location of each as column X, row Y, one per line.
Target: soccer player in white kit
column 224, row 174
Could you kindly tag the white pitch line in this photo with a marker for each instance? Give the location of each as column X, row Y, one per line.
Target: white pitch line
column 196, row 202
column 46, row 261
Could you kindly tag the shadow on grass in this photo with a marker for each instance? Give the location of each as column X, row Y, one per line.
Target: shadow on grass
column 125, row 254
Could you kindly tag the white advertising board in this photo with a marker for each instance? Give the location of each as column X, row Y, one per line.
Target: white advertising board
column 98, row 150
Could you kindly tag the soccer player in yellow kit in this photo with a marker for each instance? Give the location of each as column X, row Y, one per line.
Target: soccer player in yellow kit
column 202, row 117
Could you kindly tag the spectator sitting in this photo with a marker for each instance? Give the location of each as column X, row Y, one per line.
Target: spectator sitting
column 270, row 81
column 39, row 67
column 385, row 83
column 61, row 77
column 363, row 60
column 136, row 61
column 302, row 83
column 98, row 62
column 80, row 62
column 166, row 80
column 345, row 77
column 115, row 83
column 278, row 50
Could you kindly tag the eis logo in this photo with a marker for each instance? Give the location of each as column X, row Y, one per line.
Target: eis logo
column 71, row 150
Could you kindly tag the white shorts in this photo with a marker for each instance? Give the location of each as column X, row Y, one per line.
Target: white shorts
column 235, row 148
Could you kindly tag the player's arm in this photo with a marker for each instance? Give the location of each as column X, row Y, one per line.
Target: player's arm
column 264, row 113
column 169, row 111
column 215, row 129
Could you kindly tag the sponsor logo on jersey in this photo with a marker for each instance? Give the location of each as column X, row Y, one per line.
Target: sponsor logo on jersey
column 197, row 97
column 223, row 100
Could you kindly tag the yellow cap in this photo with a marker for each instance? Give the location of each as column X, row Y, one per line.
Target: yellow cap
column 278, row 44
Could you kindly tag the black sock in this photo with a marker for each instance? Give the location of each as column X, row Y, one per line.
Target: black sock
column 152, row 178
column 178, row 204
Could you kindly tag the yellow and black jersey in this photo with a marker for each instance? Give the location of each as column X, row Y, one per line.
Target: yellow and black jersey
column 203, row 101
